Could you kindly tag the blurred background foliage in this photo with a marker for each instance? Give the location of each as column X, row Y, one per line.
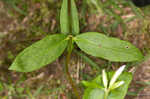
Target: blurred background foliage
column 23, row 22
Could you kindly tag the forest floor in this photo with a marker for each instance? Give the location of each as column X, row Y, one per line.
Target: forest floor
column 22, row 22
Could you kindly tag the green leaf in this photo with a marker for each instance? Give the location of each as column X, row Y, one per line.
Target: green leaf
column 64, row 22
column 69, row 21
column 98, row 80
column 91, row 84
column 40, row 53
column 74, row 18
column 93, row 93
column 118, row 93
column 113, row 49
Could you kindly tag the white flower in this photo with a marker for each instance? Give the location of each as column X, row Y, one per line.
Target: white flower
column 105, row 80
column 116, row 75
column 117, row 84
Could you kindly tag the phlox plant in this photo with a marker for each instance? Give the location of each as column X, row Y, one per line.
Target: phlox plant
column 51, row 47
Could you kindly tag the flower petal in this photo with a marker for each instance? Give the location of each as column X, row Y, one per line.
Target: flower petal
column 116, row 75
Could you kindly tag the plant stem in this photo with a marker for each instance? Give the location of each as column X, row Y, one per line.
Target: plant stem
column 67, row 70
column 106, row 93
column 70, row 47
